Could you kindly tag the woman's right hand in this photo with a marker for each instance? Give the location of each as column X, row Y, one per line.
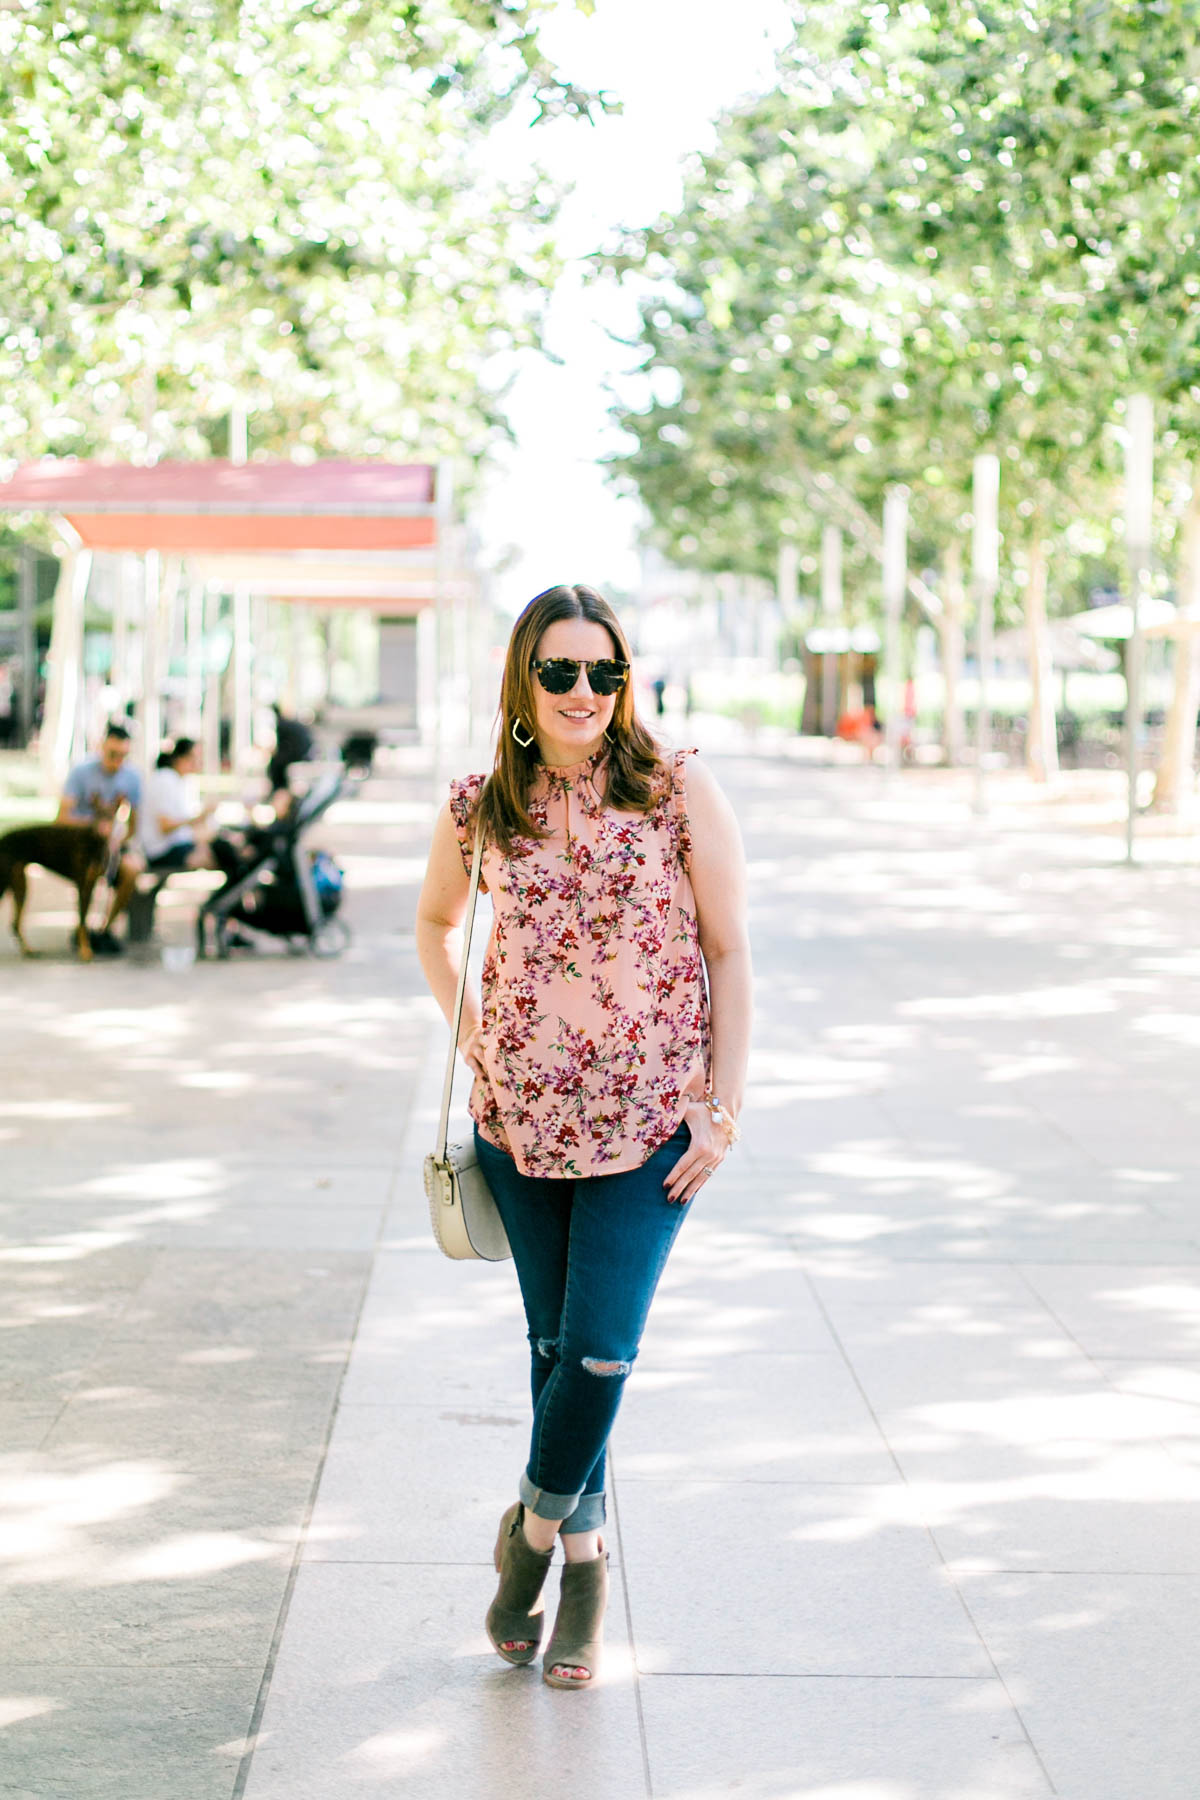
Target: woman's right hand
column 470, row 1048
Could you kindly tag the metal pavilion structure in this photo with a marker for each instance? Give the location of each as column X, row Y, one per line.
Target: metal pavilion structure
column 213, row 543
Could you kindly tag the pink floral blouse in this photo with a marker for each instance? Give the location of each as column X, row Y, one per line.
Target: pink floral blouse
column 595, row 1012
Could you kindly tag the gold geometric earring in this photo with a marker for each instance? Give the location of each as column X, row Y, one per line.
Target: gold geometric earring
column 523, row 741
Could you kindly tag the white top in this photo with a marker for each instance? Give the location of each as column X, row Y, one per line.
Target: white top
column 169, row 795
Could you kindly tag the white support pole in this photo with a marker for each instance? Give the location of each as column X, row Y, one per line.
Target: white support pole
column 985, row 569
column 243, row 649
column 444, row 506
column 297, row 619
column 119, row 675
column 194, row 654
column 787, row 580
column 243, row 700
column 895, row 581
column 1139, row 533
column 264, row 644
column 210, row 718
column 150, row 707
column 831, row 612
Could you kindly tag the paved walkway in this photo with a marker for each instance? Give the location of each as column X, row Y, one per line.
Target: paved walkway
column 907, row 1484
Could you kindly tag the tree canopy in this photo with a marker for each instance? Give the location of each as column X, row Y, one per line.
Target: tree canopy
column 951, row 226
column 283, row 204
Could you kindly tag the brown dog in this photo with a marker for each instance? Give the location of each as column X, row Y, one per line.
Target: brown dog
column 78, row 853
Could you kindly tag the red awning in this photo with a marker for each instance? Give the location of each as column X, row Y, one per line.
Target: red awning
column 217, row 506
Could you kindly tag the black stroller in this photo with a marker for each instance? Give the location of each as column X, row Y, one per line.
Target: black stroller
column 275, row 885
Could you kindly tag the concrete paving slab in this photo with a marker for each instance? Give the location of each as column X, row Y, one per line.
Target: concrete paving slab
column 728, row 1288
column 176, row 1603
column 835, row 1580
column 223, row 1224
column 955, row 1739
column 755, row 1417
column 417, row 1483
column 413, row 1699
column 1145, row 1311
column 277, row 1435
column 430, row 1334
column 24, row 1425
column 124, row 1734
column 1104, row 1671
column 1133, row 1511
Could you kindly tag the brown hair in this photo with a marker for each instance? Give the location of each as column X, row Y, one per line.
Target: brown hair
column 632, row 755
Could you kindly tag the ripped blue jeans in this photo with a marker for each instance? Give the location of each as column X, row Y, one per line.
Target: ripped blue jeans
column 588, row 1256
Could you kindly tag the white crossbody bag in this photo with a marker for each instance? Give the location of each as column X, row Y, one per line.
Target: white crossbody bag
column 461, row 1208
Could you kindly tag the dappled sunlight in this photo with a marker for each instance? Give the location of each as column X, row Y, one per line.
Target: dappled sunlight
column 1178, row 1028
column 221, row 1081
column 395, row 1753
column 1027, row 1068
column 780, row 1079
column 63, row 1112
column 1064, row 1426
column 69, row 1247
column 46, row 1516
column 13, row 1710
column 1033, row 1003
column 1138, row 1477
column 190, row 1555
column 890, row 1169
column 185, row 1179
column 121, row 1028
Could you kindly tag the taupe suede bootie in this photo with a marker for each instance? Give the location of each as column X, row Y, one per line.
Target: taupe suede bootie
column 578, row 1635
column 516, row 1615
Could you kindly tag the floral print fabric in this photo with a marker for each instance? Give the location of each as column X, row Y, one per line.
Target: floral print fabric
column 595, row 1013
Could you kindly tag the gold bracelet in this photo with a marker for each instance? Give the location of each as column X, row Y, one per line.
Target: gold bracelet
column 720, row 1115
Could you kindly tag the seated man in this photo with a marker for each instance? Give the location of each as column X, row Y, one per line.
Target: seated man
column 172, row 815
column 94, row 791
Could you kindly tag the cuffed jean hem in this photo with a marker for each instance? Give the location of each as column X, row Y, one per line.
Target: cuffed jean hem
column 582, row 1512
column 589, row 1515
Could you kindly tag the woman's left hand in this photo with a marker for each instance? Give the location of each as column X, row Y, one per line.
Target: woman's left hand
column 708, row 1149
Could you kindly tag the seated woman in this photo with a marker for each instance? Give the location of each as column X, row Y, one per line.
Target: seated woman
column 172, row 816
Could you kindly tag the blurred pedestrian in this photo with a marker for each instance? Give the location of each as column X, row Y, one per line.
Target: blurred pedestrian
column 606, row 1083
column 293, row 744
column 104, row 789
column 174, row 822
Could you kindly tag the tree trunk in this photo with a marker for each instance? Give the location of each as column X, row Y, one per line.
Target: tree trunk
column 1174, row 776
column 1041, row 743
column 950, row 634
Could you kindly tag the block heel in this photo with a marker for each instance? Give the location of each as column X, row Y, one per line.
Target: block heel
column 516, row 1614
column 578, row 1636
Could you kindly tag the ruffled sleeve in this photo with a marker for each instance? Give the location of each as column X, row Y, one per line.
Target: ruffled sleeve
column 464, row 795
column 679, row 819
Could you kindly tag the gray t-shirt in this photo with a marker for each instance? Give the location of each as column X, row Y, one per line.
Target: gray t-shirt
column 92, row 790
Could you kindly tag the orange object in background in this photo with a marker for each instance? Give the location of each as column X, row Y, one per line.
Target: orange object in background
column 858, row 727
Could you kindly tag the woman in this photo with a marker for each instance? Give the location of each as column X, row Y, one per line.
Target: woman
column 172, row 814
column 607, row 1079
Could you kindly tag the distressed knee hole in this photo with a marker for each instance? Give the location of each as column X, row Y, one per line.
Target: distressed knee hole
column 547, row 1348
column 595, row 1367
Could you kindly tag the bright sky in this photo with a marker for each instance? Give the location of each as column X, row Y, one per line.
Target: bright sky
column 675, row 64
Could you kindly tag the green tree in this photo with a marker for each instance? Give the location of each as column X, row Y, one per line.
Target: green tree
column 931, row 238
column 286, row 205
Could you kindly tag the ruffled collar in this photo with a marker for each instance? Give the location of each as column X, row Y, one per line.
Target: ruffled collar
column 569, row 772
column 579, row 778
